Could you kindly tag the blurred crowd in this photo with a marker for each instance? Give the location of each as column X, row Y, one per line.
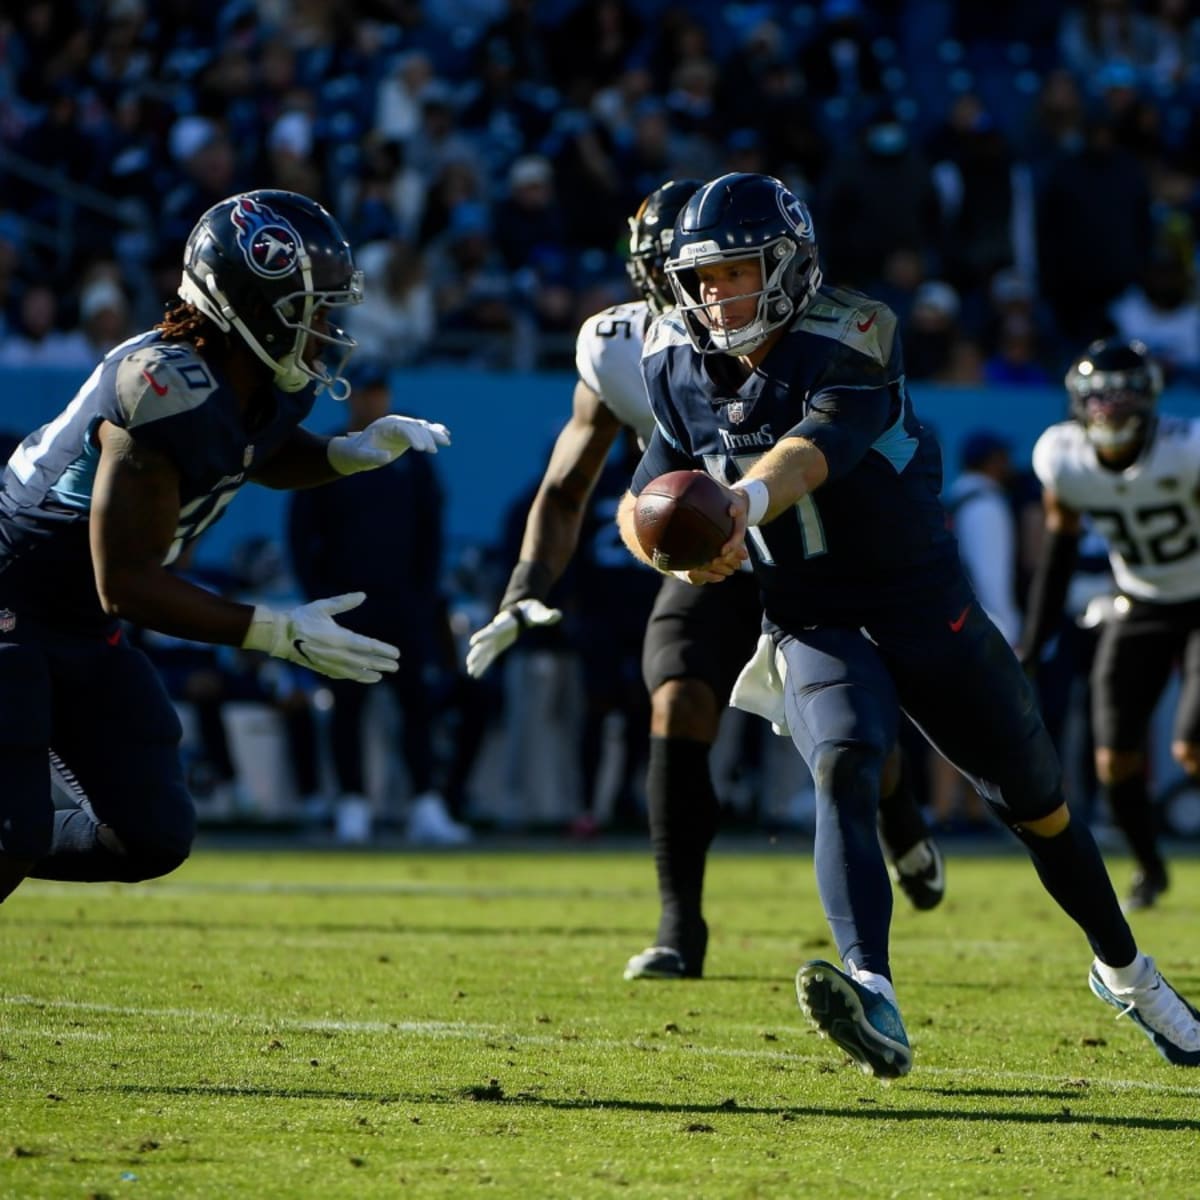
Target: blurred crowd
column 1013, row 179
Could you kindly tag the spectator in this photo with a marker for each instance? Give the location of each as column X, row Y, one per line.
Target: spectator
column 840, row 60
column 878, row 194
column 396, row 320
column 104, row 311
column 932, row 330
column 473, row 292
column 1015, row 358
column 395, row 561
column 1094, row 231
column 37, row 341
column 1162, row 312
column 973, row 172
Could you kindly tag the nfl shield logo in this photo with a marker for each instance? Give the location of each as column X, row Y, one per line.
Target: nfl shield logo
column 8, row 620
column 736, row 412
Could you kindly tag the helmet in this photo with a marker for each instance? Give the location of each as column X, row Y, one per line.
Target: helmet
column 265, row 264
column 742, row 216
column 1114, row 388
column 650, row 230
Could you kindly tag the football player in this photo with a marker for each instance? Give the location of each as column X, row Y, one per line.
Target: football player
column 97, row 504
column 1132, row 472
column 696, row 640
column 792, row 393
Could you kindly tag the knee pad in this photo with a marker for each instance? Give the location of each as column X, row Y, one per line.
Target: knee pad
column 148, row 853
column 848, row 774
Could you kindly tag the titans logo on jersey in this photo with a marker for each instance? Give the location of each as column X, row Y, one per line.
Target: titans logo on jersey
column 168, row 398
column 875, row 532
column 1149, row 513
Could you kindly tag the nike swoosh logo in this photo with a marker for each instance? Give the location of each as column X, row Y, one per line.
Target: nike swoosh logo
column 114, row 638
column 863, row 326
column 158, row 387
column 957, row 624
column 298, row 646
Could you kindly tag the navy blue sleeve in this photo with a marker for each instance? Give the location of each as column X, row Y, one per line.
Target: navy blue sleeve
column 844, row 424
column 658, row 458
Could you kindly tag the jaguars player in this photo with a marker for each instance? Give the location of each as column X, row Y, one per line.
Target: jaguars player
column 792, row 393
column 97, row 504
column 696, row 639
column 1133, row 474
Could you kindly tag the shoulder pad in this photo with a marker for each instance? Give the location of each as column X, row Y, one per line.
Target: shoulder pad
column 161, row 381
column 666, row 331
column 856, row 321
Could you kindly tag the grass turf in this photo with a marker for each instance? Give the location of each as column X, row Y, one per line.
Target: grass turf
column 319, row 1024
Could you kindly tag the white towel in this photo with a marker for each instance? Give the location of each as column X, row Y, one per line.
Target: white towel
column 759, row 687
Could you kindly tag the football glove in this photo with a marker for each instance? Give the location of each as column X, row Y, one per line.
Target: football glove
column 383, row 441
column 309, row 635
column 488, row 643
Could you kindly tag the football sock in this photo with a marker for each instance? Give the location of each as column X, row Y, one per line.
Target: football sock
column 1124, row 977
column 683, row 821
column 1072, row 871
column 901, row 824
column 877, row 983
column 852, row 879
column 1132, row 813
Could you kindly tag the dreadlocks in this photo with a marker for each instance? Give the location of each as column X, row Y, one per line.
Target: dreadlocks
column 183, row 323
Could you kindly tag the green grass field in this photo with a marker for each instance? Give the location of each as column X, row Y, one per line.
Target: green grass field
column 324, row 1025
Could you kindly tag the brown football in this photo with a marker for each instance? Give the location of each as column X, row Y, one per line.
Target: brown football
column 682, row 520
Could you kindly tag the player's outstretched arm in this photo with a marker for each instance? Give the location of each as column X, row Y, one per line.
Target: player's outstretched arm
column 551, row 528
column 135, row 511
column 1051, row 578
column 306, row 460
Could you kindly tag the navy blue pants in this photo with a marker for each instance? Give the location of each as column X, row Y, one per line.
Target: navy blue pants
column 100, row 707
column 952, row 672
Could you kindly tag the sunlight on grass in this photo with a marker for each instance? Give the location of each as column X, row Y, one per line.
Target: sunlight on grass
column 279, row 1025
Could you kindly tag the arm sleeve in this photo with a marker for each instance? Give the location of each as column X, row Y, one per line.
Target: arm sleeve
column 843, row 423
column 1048, row 592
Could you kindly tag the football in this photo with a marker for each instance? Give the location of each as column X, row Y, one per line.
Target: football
column 682, row 520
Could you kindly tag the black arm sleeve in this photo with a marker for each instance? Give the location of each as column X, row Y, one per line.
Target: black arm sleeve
column 528, row 581
column 1048, row 592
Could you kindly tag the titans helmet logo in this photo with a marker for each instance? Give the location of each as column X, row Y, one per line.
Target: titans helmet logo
column 794, row 213
column 269, row 244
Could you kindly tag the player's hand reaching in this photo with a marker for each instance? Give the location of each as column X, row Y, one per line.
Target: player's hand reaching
column 488, row 643
column 383, row 441
column 309, row 635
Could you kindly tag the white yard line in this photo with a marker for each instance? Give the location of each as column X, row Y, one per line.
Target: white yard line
column 482, row 1032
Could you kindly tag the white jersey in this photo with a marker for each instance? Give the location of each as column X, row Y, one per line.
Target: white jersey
column 1148, row 513
column 608, row 357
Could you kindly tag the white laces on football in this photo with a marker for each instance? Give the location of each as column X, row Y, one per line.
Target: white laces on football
column 1162, row 1009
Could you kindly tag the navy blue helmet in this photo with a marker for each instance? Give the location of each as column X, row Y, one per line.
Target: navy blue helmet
column 269, row 265
column 744, row 216
column 650, row 232
column 1114, row 387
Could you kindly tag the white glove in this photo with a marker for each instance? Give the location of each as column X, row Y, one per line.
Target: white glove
column 309, row 635
column 382, row 442
column 488, row 643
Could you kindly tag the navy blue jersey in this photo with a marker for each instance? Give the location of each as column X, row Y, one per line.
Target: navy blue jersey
column 168, row 398
column 874, row 534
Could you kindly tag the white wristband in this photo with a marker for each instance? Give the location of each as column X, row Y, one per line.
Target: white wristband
column 759, row 496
